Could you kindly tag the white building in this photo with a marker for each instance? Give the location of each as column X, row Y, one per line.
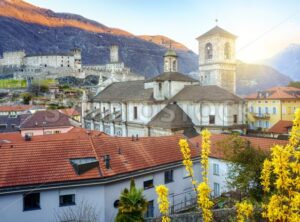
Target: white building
column 70, row 60
column 52, row 174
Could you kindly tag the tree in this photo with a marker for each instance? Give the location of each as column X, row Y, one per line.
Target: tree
column 37, row 88
column 26, row 97
column 132, row 205
column 245, row 165
column 295, row 84
column 83, row 212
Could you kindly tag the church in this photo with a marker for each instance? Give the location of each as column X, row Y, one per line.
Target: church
column 173, row 102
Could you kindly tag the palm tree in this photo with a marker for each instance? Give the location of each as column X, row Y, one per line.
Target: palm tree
column 132, row 205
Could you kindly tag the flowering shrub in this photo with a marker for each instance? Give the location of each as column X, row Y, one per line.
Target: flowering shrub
column 204, row 202
column 284, row 168
column 162, row 200
column 244, row 211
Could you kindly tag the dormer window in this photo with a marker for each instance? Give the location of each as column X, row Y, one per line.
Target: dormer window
column 208, row 51
column 82, row 165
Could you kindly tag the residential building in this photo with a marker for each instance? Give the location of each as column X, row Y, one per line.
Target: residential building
column 52, row 174
column 46, row 122
column 268, row 107
column 281, row 128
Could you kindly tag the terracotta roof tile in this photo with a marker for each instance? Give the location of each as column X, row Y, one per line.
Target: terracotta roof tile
column 15, row 108
column 277, row 92
column 70, row 112
column 282, row 126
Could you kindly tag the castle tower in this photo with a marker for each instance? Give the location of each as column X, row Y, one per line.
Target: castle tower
column 170, row 61
column 217, row 63
column 77, row 59
column 114, row 54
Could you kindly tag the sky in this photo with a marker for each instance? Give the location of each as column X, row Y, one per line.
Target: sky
column 263, row 27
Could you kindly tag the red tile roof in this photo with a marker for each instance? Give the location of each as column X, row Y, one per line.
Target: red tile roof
column 216, row 152
column 278, row 92
column 281, row 127
column 15, row 108
column 46, row 159
column 70, row 112
column 48, row 118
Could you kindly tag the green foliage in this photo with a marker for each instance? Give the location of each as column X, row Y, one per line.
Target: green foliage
column 132, row 205
column 246, row 162
column 37, row 88
column 12, row 83
column 26, row 97
column 295, row 84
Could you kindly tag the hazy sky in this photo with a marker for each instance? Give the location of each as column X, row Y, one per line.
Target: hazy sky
column 263, row 27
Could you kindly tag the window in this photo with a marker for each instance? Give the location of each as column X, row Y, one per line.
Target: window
column 116, row 203
column 169, row 176
column 227, row 49
column 216, row 189
column 274, row 110
column 267, row 124
column 135, row 113
column 211, row 119
column 114, row 110
column 208, row 51
column 252, row 109
column 66, row 200
column 160, row 86
column 174, row 66
column 216, row 169
column 3, row 126
column 56, row 132
column 150, row 209
column 266, row 110
column 235, row 118
column 148, row 184
column 31, row 201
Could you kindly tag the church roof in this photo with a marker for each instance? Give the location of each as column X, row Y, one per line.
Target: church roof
column 199, row 93
column 173, row 76
column 218, row 31
column 170, row 52
column 171, row 117
column 125, row 91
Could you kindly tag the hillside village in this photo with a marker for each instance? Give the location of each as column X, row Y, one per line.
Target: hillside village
column 102, row 143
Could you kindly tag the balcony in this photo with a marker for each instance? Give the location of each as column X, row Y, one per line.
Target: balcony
column 261, row 115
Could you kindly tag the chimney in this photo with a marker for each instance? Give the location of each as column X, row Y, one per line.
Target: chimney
column 132, row 138
column 27, row 138
column 107, row 161
column 137, row 137
column 114, row 54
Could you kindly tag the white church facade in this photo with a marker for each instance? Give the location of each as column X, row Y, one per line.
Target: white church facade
column 172, row 101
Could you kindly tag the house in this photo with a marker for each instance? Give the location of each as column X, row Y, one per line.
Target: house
column 53, row 174
column 268, row 107
column 50, row 174
column 219, row 166
column 281, row 128
column 72, row 113
column 172, row 101
column 46, row 122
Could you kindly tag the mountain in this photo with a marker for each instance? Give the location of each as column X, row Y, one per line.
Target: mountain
column 38, row 30
column 287, row 61
column 253, row 77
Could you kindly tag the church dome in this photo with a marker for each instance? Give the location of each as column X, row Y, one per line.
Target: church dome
column 170, row 52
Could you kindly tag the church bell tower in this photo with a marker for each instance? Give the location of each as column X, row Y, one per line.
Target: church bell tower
column 217, row 63
column 170, row 61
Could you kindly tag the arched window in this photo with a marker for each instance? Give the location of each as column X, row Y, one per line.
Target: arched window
column 208, row 51
column 227, row 51
column 174, row 65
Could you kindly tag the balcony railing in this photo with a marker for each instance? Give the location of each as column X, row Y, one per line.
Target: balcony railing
column 261, row 115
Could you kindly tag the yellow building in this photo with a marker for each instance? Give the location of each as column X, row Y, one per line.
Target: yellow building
column 266, row 108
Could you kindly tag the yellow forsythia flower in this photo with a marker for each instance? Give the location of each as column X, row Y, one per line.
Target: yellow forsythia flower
column 163, row 202
column 204, row 202
column 244, row 211
column 186, row 153
column 205, row 151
